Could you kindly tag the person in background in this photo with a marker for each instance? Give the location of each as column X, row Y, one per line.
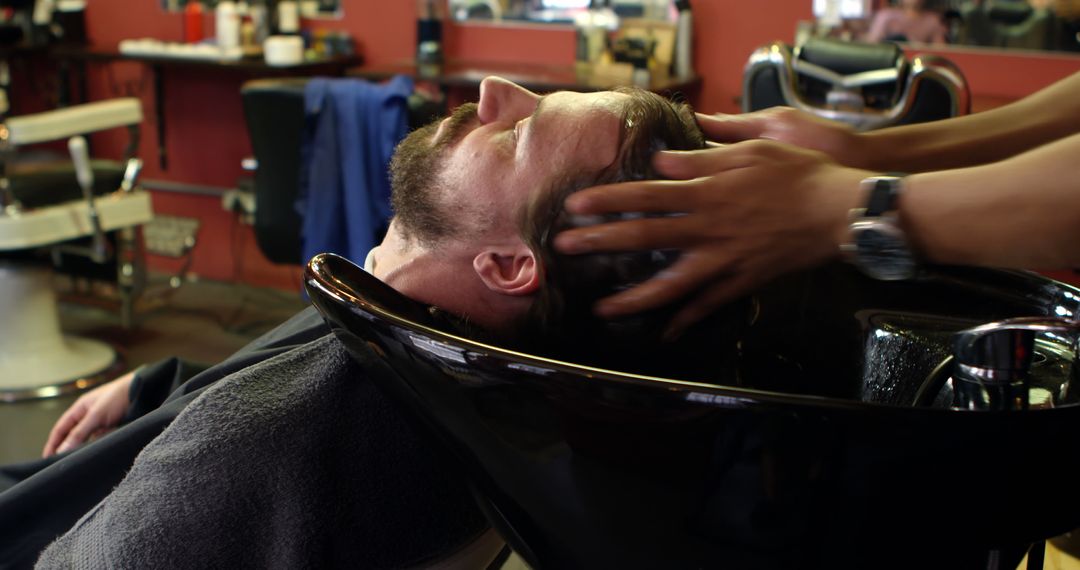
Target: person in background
column 909, row 22
column 997, row 188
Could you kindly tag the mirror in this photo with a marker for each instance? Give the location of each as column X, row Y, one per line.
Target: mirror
column 553, row 11
column 1052, row 25
column 308, row 8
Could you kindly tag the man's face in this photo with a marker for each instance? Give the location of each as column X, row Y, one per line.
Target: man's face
column 473, row 194
column 488, row 158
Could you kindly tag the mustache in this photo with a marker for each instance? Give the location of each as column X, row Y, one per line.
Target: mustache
column 457, row 124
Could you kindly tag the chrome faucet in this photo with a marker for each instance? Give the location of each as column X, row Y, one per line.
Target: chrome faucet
column 993, row 361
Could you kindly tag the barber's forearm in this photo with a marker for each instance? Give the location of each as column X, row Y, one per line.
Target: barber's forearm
column 1023, row 212
column 981, row 138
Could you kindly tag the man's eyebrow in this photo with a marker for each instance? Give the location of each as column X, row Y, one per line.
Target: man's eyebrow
column 536, row 112
column 539, row 107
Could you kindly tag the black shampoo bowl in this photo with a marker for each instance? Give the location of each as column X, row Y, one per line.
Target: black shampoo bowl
column 821, row 447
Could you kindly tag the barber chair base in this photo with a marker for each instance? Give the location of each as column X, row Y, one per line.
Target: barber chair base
column 78, row 364
column 36, row 359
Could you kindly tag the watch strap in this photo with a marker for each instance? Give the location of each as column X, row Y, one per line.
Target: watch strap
column 884, row 192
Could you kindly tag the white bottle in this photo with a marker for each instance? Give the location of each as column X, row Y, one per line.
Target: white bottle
column 684, row 40
column 227, row 27
column 288, row 17
column 43, row 12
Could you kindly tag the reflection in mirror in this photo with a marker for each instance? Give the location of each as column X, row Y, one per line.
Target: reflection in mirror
column 554, row 11
column 1020, row 24
column 308, row 8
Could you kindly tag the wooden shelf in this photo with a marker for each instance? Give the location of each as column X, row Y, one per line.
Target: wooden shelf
column 251, row 65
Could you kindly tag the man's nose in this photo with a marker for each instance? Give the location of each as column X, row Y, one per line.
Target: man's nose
column 502, row 100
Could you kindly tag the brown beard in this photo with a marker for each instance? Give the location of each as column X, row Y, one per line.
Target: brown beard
column 414, row 179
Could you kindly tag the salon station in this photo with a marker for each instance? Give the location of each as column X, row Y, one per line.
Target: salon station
column 299, row 284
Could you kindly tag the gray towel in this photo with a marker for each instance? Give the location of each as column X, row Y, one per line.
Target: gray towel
column 296, row 462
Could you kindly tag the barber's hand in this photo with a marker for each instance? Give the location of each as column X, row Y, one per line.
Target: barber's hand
column 93, row 413
column 753, row 211
column 785, row 124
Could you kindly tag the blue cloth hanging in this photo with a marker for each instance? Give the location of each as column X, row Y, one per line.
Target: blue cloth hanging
column 352, row 127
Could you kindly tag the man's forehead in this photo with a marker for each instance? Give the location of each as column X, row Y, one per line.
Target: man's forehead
column 589, row 128
column 601, row 101
column 570, row 134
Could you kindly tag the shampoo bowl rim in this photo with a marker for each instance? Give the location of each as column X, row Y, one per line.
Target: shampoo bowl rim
column 323, row 287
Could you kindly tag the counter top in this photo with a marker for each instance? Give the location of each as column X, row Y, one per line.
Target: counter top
column 541, row 78
column 247, row 64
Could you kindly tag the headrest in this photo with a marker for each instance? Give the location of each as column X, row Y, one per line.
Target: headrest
column 286, row 85
column 1010, row 12
column 848, row 58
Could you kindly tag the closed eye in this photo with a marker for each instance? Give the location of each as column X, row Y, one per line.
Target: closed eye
column 521, row 125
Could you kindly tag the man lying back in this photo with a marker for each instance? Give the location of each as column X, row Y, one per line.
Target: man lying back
column 293, row 458
column 477, row 195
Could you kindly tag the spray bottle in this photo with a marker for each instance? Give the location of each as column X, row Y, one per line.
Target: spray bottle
column 684, row 40
column 193, row 22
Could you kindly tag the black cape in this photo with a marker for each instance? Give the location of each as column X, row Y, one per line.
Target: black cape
column 54, row 494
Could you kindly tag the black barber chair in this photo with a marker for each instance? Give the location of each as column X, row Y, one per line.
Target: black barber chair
column 846, row 435
column 19, row 26
column 866, row 85
column 1009, row 24
column 274, row 110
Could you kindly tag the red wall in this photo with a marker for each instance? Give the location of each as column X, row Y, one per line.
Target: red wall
column 206, row 137
column 1000, row 77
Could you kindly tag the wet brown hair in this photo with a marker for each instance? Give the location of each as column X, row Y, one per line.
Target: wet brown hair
column 572, row 284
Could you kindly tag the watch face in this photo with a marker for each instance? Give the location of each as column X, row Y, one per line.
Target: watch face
column 882, row 252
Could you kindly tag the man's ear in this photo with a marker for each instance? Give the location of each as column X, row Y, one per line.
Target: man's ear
column 508, row 272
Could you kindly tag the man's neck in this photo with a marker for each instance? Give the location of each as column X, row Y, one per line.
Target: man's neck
column 445, row 278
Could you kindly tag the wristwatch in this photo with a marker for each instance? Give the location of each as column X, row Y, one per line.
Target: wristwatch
column 878, row 247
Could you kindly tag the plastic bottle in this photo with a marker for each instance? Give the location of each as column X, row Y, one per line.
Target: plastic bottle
column 593, row 27
column 429, row 49
column 193, row 22
column 247, row 34
column 684, row 40
column 43, row 12
column 227, row 25
column 641, row 77
column 288, row 18
column 259, row 15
